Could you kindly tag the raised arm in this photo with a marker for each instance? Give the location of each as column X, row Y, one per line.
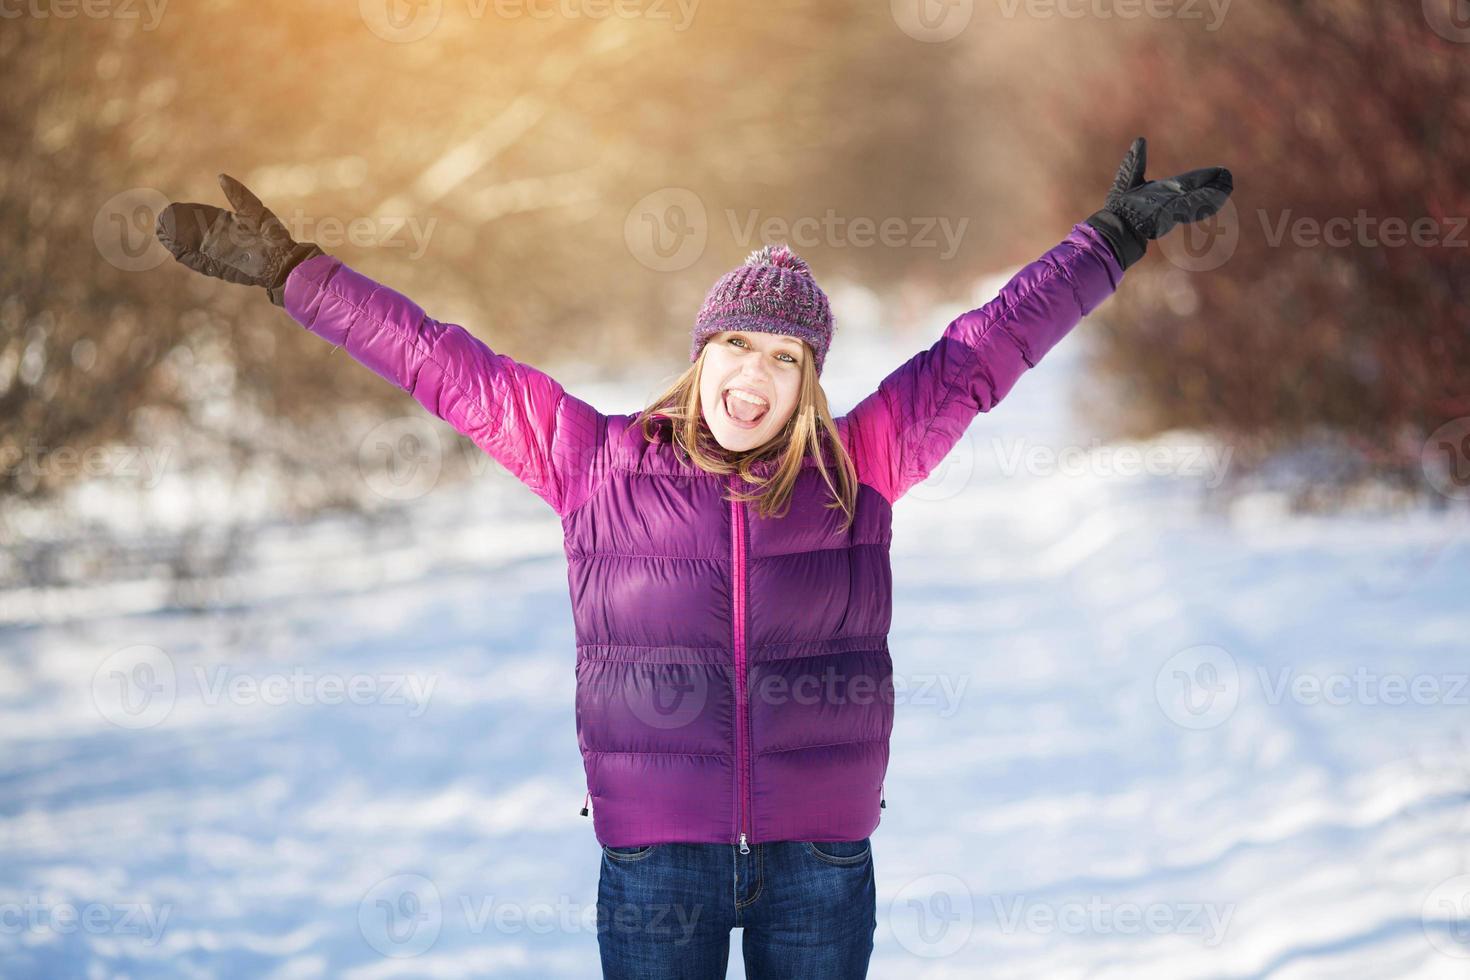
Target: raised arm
column 899, row 433
column 514, row 412
column 519, row 415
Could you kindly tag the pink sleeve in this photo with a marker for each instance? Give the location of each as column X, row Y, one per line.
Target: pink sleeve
column 517, row 414
column 900, row 432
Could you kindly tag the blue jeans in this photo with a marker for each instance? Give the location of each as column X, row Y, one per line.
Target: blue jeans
column 808, row 910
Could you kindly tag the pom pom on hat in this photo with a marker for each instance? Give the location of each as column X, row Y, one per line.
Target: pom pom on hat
column 779, row 255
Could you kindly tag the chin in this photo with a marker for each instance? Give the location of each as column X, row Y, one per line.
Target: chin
column 737, row 442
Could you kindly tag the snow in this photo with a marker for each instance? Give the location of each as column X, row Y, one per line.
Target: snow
column 1140, row 732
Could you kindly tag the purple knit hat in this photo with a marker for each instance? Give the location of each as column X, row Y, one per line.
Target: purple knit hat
column 773, row 292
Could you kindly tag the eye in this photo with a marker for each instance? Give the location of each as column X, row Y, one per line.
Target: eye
column 741, row 342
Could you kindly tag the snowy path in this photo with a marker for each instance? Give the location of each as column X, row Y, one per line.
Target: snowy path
column 1101, row 765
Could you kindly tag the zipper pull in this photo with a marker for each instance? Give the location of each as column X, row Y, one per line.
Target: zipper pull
column 744, row 847
column 584, row 802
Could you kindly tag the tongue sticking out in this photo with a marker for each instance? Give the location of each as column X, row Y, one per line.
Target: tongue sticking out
column 743, row 410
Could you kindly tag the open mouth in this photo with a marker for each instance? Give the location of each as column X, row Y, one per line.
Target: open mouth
column 745, row 408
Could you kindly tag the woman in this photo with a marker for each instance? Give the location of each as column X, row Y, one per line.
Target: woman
column 728, row 561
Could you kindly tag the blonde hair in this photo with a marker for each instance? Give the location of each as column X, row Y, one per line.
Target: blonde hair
column 809, row 431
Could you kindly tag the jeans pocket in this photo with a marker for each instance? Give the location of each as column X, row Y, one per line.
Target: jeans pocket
column 841, row 852
column 625, row 854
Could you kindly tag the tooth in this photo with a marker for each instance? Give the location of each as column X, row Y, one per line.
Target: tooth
column 753, row 399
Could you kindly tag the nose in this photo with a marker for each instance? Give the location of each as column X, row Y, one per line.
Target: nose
column 760, row 385
column 756, row 372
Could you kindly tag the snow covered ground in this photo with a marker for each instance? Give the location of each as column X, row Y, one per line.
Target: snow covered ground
column 1137, row 735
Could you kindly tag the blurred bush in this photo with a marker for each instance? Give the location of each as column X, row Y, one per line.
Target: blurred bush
column 490, row 168
column 1353, row 112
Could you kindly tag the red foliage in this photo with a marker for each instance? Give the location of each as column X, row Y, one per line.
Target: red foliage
column 1348, row 112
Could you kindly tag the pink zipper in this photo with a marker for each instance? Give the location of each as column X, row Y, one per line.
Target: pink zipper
column 737, row 539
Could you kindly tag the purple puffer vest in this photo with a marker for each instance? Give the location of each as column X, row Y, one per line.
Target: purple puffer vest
column 734, row 683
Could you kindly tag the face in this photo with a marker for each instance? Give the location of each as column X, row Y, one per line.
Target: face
column 762, row 367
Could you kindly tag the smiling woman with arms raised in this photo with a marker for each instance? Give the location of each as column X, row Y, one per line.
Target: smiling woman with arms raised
column 728, row 555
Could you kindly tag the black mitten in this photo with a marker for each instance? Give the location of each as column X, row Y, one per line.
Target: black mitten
column 249, row 246
column 1138, row 211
